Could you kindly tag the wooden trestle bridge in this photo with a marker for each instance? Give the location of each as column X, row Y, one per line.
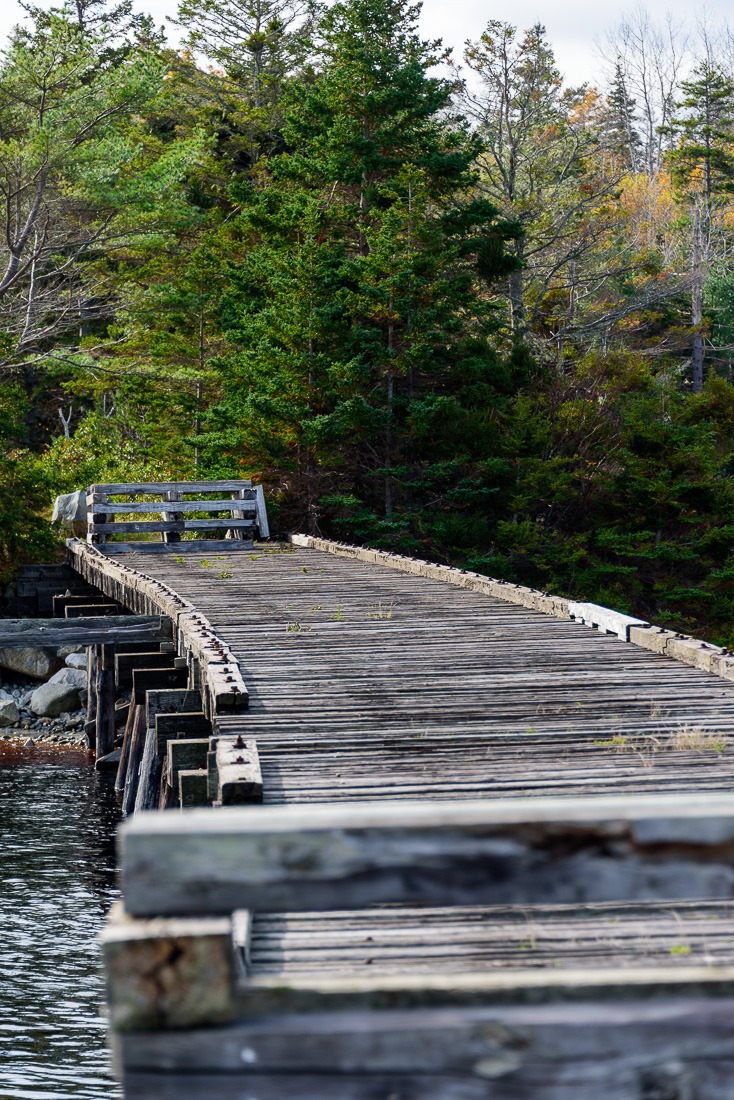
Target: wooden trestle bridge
column 489, row 851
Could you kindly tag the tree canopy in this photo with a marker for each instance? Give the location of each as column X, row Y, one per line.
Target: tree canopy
column 448, row 307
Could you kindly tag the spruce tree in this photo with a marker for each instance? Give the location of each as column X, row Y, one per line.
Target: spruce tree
column 620, row 132
column 361, row 313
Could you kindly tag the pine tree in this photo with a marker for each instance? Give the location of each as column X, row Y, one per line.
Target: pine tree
column 256, row 45
column 704, row 126
column 540, row 168
column 111, row 21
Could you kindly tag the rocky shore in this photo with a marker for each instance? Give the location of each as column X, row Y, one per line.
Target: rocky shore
column 49, row 708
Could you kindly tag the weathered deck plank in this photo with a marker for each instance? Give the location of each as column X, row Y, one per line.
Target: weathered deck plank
column 365, row 682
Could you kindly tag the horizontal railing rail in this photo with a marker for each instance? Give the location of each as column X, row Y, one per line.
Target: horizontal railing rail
column 239, row 518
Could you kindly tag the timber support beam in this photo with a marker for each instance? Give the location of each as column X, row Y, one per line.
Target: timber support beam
column 88, row 630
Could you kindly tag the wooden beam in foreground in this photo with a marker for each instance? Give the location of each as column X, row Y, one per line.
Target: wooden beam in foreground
column 588, row 1080
column 350, row 855
column 485, row 1041
column 92, row 630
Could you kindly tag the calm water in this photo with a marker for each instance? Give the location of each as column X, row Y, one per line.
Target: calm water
column 56, row 883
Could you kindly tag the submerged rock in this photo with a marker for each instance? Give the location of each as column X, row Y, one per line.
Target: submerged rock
column 110, row 762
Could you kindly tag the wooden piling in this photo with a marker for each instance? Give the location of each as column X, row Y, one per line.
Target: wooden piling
column 105, row 713
column 90, row 725
column 125, row 753
column 135, row 755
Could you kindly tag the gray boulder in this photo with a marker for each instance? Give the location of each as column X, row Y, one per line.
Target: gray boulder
column 74, row 676
column 64, row 650
column 50, row 700
column 76, row 660
column 70, row 510
column 9, row 713
column 29, row 661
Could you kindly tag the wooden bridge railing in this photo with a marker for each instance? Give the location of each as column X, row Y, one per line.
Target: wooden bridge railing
column 242, row 515
column 190, row 881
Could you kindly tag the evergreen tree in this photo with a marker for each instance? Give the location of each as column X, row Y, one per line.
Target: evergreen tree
column 539, row 167
column 255, row 45
column 361, row 310
column 111, row 24
column 620, row 132
column 704, row 126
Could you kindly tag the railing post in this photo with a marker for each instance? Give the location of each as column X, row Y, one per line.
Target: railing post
column 94, row 519
column 174, row 517
column 237, row 532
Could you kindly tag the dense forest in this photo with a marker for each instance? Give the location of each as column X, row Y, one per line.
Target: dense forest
column 449, row 306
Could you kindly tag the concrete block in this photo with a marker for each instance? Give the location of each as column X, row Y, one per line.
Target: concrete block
column 653, row 638
column 606, row 620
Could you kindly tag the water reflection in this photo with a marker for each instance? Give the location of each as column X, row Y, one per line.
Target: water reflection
column 57, row 880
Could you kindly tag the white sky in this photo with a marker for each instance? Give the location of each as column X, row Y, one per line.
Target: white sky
column 572, row 25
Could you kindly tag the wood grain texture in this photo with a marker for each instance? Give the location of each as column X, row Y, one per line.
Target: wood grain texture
column 630, row 1051
column 105, row 692
column 351, row 855
column 134, row 488
column 239, row 779
column 190, row 546
column 167, row 973
column 711, row 1082
column 159, row 526
column 193, row 789
column 160, row 678
column 126, row 662
column 85, row 631
column 396, row 940
column 189, row 753
column 134, row 757
column 149, row 783
column 172, row 726
column 490, row 1042
column 215, row 666
column 147, row 507
column 350, row 698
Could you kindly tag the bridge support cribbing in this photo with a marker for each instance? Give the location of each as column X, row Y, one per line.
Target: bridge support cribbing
column 177, row 696
column 213, row 669
column 681, row 647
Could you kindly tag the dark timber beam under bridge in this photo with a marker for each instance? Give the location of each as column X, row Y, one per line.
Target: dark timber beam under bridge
column 92, row 630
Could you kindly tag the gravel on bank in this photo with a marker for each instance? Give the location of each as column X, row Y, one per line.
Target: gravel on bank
column 67, row 729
